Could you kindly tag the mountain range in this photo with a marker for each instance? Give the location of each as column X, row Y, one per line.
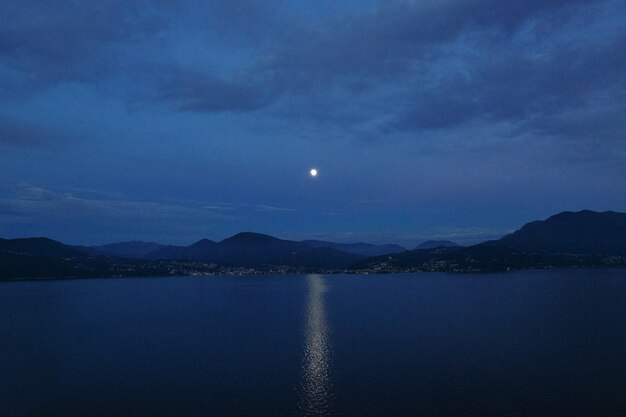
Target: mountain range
column 243, row 248
column 569, row 239
column 254, row 249
column 583, row 232
column 432, row 244
column 132, row 249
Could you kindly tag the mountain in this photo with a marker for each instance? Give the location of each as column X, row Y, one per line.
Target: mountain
column 255, row 249
column 568, row 239
column 365, row 249
column 583, row 232
column 37, row 246
column 200, row 250
column 431, row 244
column 35, row 257
column 43, row 258
column 170, row 252
column 133, row 249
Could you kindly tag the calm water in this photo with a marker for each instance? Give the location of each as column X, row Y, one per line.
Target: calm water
column 518, row 344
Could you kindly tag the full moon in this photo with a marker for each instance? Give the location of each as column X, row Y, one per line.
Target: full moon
column 313, row 172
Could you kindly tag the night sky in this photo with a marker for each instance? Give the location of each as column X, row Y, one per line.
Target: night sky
column 172, row 121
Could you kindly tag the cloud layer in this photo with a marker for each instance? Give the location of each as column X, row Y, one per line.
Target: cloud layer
column 402, row 101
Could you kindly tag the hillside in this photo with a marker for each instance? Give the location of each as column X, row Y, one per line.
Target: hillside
column 432, row 244
column 583, row 232
column 255, row 249
column 568, row 239
column 133, row 249
column 365, row 249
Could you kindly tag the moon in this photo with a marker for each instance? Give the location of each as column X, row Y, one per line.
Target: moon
column 313, row 172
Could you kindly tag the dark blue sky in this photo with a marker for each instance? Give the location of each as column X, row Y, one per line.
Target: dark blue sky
column 176, row 120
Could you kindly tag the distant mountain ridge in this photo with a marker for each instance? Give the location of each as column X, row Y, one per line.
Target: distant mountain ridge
column 432, row 244
column 37, row 246
column 132, row 249
column 569, row 239
column 199, row 249
column 194, row 251
column 583, row 232
column 255, row 249
column 575, row 239
column 365, row 249
column 37, row 258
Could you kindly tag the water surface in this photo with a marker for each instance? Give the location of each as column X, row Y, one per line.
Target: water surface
column 543, row 343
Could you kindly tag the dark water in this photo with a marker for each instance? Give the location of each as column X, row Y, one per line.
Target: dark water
column 518, row 344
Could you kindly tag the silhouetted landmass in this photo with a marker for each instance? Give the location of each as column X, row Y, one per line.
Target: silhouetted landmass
column 581, row 239
column 37, row 246
column 365, row 249
column 208, row 250
column 254, row 249
column 34, row 257
column 432, row 244
column 198, row 250
column 134, row 249
column 247, row 253
column 583, row 232
column 480, row 258
column 45, row 258
column 568, row 239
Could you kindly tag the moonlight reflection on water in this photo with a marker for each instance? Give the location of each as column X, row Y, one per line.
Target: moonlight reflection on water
column 425, row 344
column 316, row 377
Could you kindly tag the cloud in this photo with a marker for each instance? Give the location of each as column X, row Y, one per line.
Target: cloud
column 520, row 87
column 27, row 192
column 218, row 207
column 273, row 209
column 23, row 134
column 413, row 67
column 396, row 36
column 400, row 67
column 251, row 20
column 197, row 92
column 464, row 236
column 468, row 235
column 35, row 202
column 44, row 43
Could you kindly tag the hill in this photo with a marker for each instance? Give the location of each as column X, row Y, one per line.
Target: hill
column 133, row 249
column 432, row 244
column 34, row 257
column 37, row 246
column 568, row 239
column 365, row 249
column 254, row 249
column 43, row 258
column 583, row 232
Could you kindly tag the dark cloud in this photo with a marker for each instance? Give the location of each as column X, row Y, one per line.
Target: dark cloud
column 248, row 20
column 23, row 134
column 197, row 92
column 400, row 36
column 521, row 87
column 448, row 64
column 420, row 104
column 402, row 45
column 442, row 64
column 55, row 40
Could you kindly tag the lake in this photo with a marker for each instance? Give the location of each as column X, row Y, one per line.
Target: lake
column 538, row 343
